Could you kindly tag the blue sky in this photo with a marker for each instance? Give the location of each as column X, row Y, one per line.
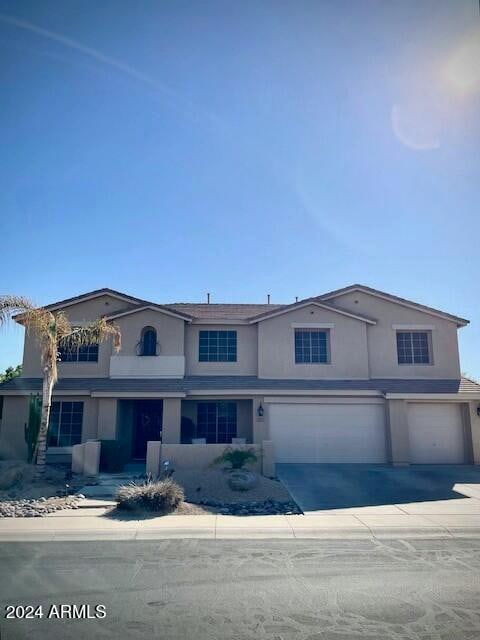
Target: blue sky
column 171, row 148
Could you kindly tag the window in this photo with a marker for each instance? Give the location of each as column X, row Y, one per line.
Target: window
column 217, row 346
column 311, row 346
column 86, row 353
column 217, row 421
column 413, row 347
column 148, row 342
column 65, row 426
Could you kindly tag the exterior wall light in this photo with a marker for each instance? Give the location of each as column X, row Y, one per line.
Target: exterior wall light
column 260, row 411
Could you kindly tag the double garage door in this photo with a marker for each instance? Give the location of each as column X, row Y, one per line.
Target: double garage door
column 328, row 432
column 349, row 433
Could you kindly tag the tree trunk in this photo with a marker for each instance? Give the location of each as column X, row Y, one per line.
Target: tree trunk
column 42, row 434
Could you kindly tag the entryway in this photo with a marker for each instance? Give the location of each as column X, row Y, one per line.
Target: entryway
column 147, row 425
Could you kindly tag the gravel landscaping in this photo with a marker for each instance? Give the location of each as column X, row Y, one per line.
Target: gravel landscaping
column 21, row 496
column 210, row 488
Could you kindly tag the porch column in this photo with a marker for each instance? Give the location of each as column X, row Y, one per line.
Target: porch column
column 397, row 431
column 172, row 418
column 107, row 419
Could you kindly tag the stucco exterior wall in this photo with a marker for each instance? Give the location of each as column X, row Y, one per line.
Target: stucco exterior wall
column 382, row 345
column 170, row 332
column 78, row 313
column 348, row 346
column 14, row 417
column 246, row 364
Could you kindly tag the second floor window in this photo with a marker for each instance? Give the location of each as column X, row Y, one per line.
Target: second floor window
column 148, row 342
column 413, row 347
column 86, row 353
column 311, row 346
column 217, row 346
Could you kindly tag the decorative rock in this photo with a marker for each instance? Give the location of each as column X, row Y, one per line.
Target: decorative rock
column 242, row 480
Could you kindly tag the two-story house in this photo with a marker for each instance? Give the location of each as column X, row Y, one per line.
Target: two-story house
column 353, row 375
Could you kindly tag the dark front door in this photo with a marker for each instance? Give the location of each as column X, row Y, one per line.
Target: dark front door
column 147, row 426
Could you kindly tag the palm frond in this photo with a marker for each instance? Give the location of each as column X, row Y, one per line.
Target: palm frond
column 93, row 333
column 13, row 305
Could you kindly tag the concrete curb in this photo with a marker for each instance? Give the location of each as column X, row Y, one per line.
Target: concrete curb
column 219, row 527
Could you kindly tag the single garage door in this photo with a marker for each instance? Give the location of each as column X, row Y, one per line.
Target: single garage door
column 328, row 432
column 436, row 433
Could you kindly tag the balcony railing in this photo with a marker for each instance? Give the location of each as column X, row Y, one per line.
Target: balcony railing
column 147, row 366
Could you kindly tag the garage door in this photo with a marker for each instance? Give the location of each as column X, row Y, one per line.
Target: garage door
column 328, row 432
column 436, row 433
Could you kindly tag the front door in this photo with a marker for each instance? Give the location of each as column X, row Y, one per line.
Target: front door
column 147, row 426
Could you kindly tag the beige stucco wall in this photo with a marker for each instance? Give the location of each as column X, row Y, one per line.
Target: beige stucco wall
column 246, row 351
column 201, row 456
column 14, row 417
column 78, row 313
column 170, row 332
column 382, row 343
column 276, row 347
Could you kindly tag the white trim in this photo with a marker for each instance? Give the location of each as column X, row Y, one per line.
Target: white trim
column 312, row 325
column 350, row 399
column 138, row 394
column 21, row 392
column 413, row 327
column 148, row 307
column 219, row 321
column 286, row 392
column 309, row 303
column 463, row 396
column 411, row 305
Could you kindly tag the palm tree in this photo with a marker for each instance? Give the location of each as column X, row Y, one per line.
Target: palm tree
column 51, row 331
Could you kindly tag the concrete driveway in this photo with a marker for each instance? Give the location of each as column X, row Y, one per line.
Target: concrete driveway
column 321, row 487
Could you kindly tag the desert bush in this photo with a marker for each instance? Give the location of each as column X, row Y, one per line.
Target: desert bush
column 236, row 458
column 152, row 495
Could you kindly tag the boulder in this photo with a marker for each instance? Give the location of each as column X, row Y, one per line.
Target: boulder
column 242, row 480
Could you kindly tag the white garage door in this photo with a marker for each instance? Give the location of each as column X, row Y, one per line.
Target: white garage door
column 328, row 432
column 436, row 433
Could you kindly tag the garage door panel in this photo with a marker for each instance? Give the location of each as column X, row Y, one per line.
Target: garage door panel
column 328, row 433
column 436, row 433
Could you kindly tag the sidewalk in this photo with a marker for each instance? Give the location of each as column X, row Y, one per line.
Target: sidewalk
column 438, row 519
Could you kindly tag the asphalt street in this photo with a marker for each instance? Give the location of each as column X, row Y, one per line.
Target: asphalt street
column 200, row 589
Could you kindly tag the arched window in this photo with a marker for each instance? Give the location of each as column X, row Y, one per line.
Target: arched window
column 148, row 342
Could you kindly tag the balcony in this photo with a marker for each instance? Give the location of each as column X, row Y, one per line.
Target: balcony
column 147, row 366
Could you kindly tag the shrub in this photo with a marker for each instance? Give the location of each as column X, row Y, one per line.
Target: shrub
column 237, row 458
column 153, row 495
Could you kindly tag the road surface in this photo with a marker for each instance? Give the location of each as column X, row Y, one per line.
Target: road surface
column 262, row 589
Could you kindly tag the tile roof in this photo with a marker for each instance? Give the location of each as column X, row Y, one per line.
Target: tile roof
column 237, row 383
column 223, row 311
column 244, row 312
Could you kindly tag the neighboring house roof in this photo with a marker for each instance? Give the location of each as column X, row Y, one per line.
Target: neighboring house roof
column 307, row 302
column 461, row 322
column 238, row 383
